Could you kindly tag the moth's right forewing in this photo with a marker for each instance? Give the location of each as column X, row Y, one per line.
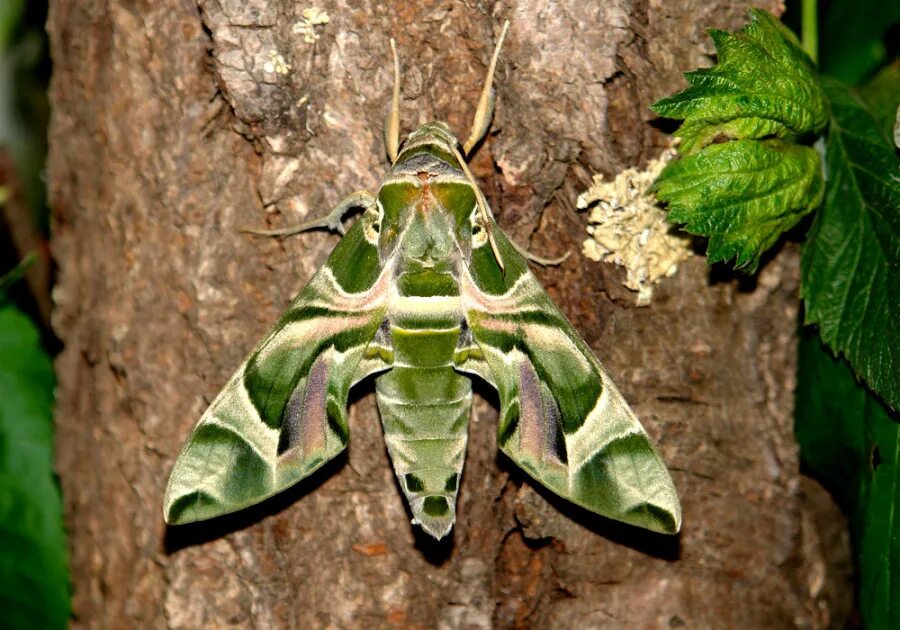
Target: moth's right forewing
column 561, row 419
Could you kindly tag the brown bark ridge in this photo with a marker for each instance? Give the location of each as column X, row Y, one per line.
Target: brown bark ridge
column 176, row 123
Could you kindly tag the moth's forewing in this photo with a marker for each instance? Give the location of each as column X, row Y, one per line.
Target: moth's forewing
column 283, row 413
column 561, row 417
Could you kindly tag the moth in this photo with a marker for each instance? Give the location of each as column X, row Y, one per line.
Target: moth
column 426, row 292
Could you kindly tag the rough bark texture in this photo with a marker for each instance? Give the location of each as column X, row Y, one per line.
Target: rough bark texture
column 173, row 127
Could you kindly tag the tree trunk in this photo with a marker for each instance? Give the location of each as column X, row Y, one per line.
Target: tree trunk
column 176, row 124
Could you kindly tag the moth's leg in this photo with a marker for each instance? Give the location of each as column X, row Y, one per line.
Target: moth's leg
column 392, row 122
column 486, row 103
column 544, row 262
column 331, row 221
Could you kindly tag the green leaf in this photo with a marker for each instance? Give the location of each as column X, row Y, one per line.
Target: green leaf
column 852, row 443
column 853, row 33
column 743, row 181
column 764, row 85
column 897, row 129
column 882, row 96
column 10, row 17
column 851, row 259
column 742, row 194
column 34, row 589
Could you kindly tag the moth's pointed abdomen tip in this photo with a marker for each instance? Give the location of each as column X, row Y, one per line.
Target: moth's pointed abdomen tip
column 434, row 514
column 436, row 528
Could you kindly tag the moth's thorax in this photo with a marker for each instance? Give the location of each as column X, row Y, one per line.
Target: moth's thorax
column 426, row 203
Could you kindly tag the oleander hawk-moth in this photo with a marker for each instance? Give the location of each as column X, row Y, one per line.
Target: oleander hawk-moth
column 424, row 291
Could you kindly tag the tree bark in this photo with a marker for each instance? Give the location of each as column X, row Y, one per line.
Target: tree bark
column 176, row 123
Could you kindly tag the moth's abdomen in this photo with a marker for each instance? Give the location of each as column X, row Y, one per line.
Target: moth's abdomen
column 425, row 405
column 425, row 413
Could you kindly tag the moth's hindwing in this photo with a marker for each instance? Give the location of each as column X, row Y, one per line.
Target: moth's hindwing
column 283, row 414
column 562, row 419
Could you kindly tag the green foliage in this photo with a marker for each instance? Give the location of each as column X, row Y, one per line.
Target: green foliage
column 854, row 32
column 10, row 15
column 853, row 444
column 882, row 97
column 742, row 194
column 851, row 259
column 34, row 582
column 755, row 181
column 34, row 589
column 24, row 111
column 763, row 86
column 758, row 106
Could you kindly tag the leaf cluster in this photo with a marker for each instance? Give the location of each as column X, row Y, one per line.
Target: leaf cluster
column 744, row 123
column 748, row 175
column 755, row 126
column 852, row 443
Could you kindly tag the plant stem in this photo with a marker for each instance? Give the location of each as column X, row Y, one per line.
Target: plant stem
column 810, row 29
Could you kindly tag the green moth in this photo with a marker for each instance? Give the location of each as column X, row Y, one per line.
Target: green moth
column 424, row 291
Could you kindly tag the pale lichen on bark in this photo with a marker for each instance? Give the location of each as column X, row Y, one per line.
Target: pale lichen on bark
column 628, row 227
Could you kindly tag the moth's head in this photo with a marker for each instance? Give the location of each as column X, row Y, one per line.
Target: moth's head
column 434, row 138
column 427, row 203
column 438, row 130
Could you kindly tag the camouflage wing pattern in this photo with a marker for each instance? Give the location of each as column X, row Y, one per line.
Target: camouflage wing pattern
column 561, row 419
column 283, row 413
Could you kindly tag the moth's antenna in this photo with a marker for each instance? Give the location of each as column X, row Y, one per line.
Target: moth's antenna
column 392, row 122
column 480, row 125
column 486, row 103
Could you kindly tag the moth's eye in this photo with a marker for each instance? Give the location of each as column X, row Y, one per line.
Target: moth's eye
column 479, row 233
column 372, row 226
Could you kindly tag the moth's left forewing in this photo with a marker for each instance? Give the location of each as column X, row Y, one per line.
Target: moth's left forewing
column 561, row 417
column 282, row 415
